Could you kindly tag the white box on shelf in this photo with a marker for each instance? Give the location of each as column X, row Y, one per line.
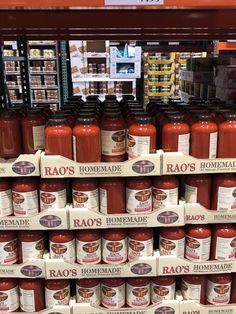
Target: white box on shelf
column 76, row 48
column 24, row 165
column 193, row 307
column 117, row 56
column 61, row 167
column 78, row 69
column 197, row 77
column 125, row 69
column 143, row 267
column 56, row 309
column 31, row 269
column 81, row 218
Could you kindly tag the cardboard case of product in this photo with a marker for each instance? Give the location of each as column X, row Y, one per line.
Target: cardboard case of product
column 193, row 307
column 56, row 309
column 197, row 77
column 31, row 269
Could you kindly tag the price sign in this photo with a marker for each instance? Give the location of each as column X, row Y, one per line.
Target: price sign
column 134, row 2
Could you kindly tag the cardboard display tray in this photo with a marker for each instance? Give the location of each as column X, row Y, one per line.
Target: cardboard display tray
column 197, row 77
column 61, row 167
column 193, row 307
column 57, row 309
column 30, row 269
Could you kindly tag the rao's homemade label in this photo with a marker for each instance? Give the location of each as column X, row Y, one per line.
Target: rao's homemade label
column 172, row 247
column 191, row 291
column 9, row 300
column 25, row 203
column 197, row 250
column 32, row 250
column 64, row 251
column 57, row 297
column 88, row 252
column 6, row 203
column 113, row 297
column 8, row 252
column 190, row 195
column 138, row 249
column 226, row 199
column 162, row 198
column 113, row 142
column 138, row 145
column 88, row 295
column 52, row 199
column 183, row 143
column 86, row 199
column 161, row 293
column 218, row 294
column 225, row 248
column 114, row 252
column 137, row 297
column 213, row 145
column 27, row 300
column 138, row 201
column 38, row 136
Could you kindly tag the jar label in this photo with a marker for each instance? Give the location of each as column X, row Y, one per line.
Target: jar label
column 65, row 250
column 213, row 145
column 137, row 249
column 114, row 252
column 171, row 247
column 103, row 200
column 50, row 200
column 88, row 295
column 6, row 203
column 113, row 142
column 162, row 197
column 197, row 250
column 38, row 137
column 225, row 248
column 138, row 145
column 74, row 147
column 86, row 199
column 160, row 293
column 57, row 297
column 27, row 302
column 25, row 203
column 139, row 201
column 138, row 297
column 226, row 198
column 88, row 252
column 9, row 300
column 31, row 250
column 183, row 143
column 190, row 195
column 190, row 291
column 8, row 252
column 113, row 297
column 218, row 293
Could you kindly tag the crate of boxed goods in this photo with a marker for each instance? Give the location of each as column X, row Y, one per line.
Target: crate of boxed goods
column 197, row 77
column 128, row 53
column 96, row 48
column 226, row 76
column 125, row 70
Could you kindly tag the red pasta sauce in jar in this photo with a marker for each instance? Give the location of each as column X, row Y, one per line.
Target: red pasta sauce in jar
column 31, row 295
column 218, row 289
column 164, row 191
column 227, row 137
column 114, row 246
column 57, row 292
column 204, row 134
column 193, row 287
column 113, row 293
column 62, row 245
column 6, row 208
column 140, row 243
column 172, row 241
column 58, row 138
column 88, row 291
column 139, row 195
column 223, row 245
column 9, row 291
column 31, row 245
column 224, row 192
column 176, row 135
column 88, row 246
column 138, row 292
column 162, row 288
column 198, row 189
column 112, row 196
column 8, row 247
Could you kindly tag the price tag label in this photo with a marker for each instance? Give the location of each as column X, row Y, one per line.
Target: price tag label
column 134, row 2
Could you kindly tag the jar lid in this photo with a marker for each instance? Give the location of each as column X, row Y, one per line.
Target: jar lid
column 83, row 119
column 57, row 121
column 204, row 117
column 175, row 117
column 142, row 118
column 229, row 115
column 110, row 97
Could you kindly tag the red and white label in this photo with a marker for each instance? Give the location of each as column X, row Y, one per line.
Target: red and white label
column 57, row 297
column 162, row 197
column 9, row 300
column 86, row 199
column 113, row 142
column 25, row 204
column 213, row 145
column 138, row 201
column 161, row 293
column 191, row 291
column 38, row 136
column 50, row 200
column 8, row 252
column 114, row 252
column 137, row 297
column 6, row 203
column 27, row 300
column 88, row 252
column 190, row 195
column 226, row 198
column 113, row 297
column 103, row 200
column 137, row 249
column 171, row 247
column 65, row 250
column 218, row 293
column 197, row 250
column 183, row 143
column 138, row 145
column 32, row 250
column 88, row 295
column 225, row 248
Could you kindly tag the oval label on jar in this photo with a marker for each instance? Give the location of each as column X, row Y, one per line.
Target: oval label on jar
column 31, row 271
column 136, row 246
column 159, row 195
column 10, row 246
column 221, row 289
column 143, row 196
column 80, row 197
column 161, row 291
column 141, row 269
column 108, row 292
column 131, row 141
column 23, row 168
column 167, row 217
column 3, row 296
column 192, row 243
column 164, row 310
column 143, row 166
column 140, row 292
column 58, row 248
column 47, row 198
column 90, row 247
column 233, row 243
column 167, row 244
column 85, row 292
column 61, row 294
column 114, row 246
column 17, row 198
column 50, row 221
column 118, row 136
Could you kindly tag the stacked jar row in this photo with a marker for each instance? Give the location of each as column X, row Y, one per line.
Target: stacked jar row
column 116, row 246
column 31, row 295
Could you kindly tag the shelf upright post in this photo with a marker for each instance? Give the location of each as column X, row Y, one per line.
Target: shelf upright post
column 24, row 70
column 4, row 95
column 64, row 70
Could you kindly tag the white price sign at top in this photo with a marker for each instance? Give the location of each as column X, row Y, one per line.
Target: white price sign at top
column 134, row 2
